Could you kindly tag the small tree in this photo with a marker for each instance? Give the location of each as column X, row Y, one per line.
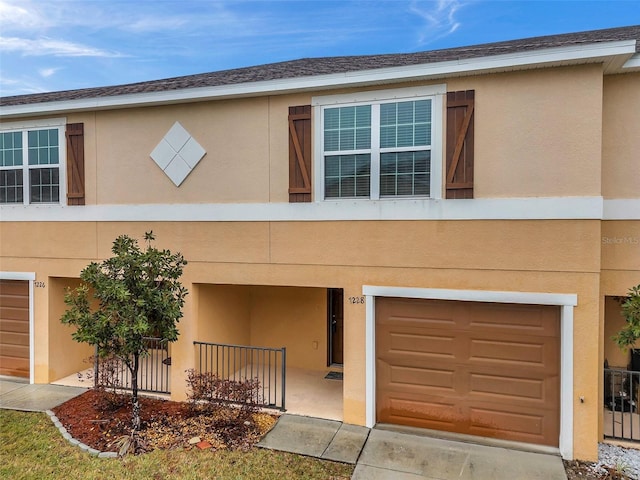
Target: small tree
column 138, row 294
column 628, row 336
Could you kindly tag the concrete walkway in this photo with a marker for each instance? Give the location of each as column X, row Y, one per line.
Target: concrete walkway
column 18, row 395
column 385, row 454
column 379, row 453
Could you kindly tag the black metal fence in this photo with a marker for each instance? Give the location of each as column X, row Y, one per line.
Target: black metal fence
column 621, row 396
column 242, row 362
column 153, row 369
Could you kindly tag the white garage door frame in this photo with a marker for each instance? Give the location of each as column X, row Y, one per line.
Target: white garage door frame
column 30, row 277
column 566, row 302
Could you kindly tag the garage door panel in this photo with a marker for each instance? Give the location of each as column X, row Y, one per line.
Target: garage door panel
column 17, row 326
column 14, row 328
column 421, row 343
column 507, row 388
column 18, row 351
column 523, row 320
column 14, row 367
column 421, row 412
column 423, row 379
column 511, row 426
column 14, row 338
column 454, row 375
column 14, row 313
column 510, row 352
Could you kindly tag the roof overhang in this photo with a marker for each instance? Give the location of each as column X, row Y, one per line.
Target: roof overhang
column 616, row 57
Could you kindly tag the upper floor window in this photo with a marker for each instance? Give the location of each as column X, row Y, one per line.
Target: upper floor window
column 30, row 164
column 382, row 144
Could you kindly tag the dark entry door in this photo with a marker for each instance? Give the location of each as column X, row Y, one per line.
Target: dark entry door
column 335, row 322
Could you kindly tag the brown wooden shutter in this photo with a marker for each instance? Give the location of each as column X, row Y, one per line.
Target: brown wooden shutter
column 75, row 163
column 460, row 107
column 300, row 154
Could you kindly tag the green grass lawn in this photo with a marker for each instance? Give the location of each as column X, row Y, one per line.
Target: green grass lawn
column 32, row 448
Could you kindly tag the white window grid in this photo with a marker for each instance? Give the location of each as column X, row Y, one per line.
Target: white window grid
column 375, row 99
column 26, row 169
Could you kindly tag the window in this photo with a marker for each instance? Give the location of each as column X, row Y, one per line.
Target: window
column 376, row 147
column 30, row 160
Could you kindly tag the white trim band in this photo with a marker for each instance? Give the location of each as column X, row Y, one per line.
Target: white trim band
column 554, row 208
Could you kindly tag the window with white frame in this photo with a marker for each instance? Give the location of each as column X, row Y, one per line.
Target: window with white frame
column 30, row 164
column 379, row 144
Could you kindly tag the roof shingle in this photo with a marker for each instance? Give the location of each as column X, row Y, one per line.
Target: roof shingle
column 307, row 67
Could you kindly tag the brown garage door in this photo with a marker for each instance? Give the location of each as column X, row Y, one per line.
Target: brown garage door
column 477, row 368
column 14, row 328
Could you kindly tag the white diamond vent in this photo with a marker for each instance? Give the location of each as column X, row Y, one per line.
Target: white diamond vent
column 177, row 154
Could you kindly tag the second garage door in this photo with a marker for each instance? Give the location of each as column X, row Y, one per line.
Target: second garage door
column 476, row 368
column 14, row 328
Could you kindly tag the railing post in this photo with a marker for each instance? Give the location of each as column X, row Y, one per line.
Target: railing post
column 284, row 375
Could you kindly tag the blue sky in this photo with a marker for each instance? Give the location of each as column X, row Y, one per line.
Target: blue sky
column 59, row 45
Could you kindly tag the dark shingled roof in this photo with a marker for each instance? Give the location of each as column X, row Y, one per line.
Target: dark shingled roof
column 308, row 67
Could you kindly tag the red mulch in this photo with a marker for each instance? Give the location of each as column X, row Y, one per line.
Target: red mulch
column 87, row 420
column 100, row 421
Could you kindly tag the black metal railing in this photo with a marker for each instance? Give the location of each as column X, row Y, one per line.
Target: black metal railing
column 153, row 369
column 243, row 362
column 621, row 392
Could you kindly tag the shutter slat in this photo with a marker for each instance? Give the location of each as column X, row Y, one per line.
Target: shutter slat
column 460, row 126
column 300, row 153
column 75, row 163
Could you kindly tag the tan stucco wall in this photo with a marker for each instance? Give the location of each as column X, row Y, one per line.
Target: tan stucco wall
column 620, row 245
column 533, row 131
column 291, row 317
column 224, row 314
column 262, row 316
column 531, row 256
column 621, row 136
column 66, row 356
column 613, row 322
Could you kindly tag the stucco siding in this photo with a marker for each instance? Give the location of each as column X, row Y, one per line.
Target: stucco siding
column 621, row 136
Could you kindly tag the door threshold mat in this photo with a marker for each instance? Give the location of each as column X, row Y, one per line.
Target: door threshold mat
column 334, row 376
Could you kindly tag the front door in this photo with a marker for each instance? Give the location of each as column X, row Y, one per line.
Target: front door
column 335, row 325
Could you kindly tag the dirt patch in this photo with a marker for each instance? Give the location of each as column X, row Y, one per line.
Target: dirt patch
column 165, row 424
column 579, row 470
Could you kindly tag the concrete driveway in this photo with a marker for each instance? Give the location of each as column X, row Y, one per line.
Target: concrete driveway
column 382, row 453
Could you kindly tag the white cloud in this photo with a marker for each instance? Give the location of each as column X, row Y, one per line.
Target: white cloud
column 17, row 16
column 47, row 72
column 49, row 46
column 439, row 21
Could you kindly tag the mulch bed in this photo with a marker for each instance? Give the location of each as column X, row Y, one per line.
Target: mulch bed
column 579, row 470
column 103, row 422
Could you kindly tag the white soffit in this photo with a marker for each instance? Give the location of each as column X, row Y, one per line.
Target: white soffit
column 568, row 55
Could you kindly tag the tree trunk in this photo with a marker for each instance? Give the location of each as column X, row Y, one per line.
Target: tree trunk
column 136, row 422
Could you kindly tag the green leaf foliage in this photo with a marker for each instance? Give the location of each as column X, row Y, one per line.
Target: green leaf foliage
column 628, row 335
column 132, row 295
column 138, row 294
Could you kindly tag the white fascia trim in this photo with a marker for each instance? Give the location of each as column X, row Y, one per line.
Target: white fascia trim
column 564, row 55
column 386, row 95
column 41, row 123
column 17, row 276
column 566, row 301
column 633, row 62
column 621, row 209
column 553, row 208
column 529, row 298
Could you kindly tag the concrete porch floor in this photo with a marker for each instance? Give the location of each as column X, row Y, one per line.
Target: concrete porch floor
column 307, row 393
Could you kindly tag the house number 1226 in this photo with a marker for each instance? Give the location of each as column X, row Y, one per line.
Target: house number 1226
column 355, row 300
